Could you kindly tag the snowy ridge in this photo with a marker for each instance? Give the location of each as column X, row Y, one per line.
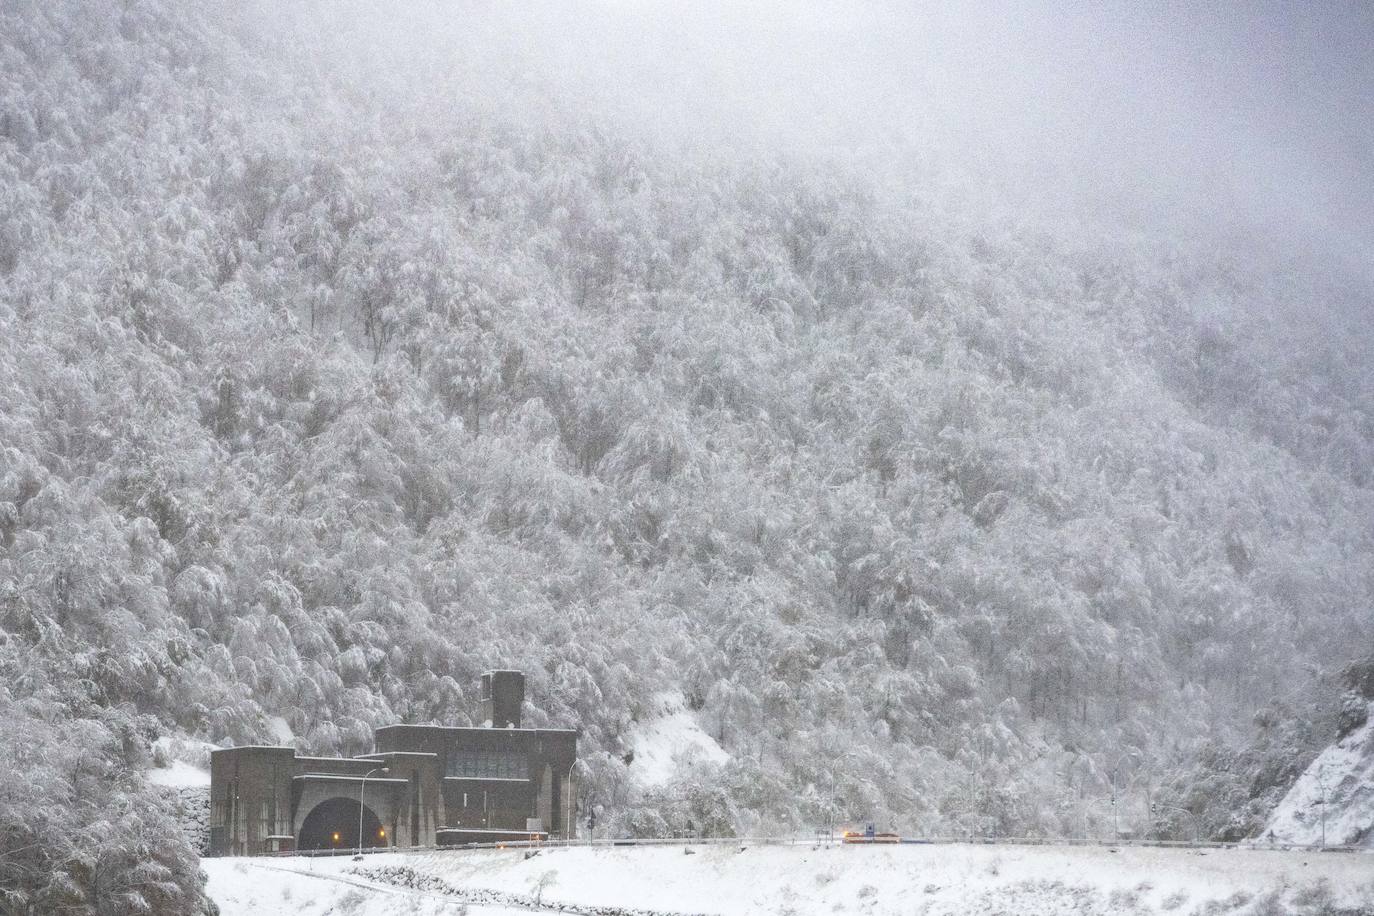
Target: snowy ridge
column 1341, row 780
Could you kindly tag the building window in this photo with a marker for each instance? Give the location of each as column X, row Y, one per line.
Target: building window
column 488, row 765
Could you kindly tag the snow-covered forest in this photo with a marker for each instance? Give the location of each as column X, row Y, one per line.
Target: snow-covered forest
column 320, row 394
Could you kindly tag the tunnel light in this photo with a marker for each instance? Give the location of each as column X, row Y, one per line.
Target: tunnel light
column 336, row 838
column 382, row 833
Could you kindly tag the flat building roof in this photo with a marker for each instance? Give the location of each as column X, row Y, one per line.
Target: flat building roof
column 479, row 730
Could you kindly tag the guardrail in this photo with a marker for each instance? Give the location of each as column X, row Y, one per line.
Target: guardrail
column 832, row 840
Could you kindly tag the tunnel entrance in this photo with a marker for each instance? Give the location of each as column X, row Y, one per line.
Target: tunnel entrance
column 333, row 824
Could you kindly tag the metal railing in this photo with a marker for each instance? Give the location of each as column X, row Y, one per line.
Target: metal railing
column 820, row 841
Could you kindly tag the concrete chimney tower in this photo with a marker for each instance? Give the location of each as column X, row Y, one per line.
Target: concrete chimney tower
column 502, row 694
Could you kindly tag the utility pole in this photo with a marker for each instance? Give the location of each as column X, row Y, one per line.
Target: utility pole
column 361, row 789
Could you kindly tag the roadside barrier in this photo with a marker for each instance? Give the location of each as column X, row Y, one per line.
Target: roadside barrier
column 836, row 840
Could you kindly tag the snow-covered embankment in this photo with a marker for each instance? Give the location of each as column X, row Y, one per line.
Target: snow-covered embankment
column 940, row 880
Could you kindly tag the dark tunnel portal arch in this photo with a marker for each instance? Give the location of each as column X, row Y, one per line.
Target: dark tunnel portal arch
column 340, row 816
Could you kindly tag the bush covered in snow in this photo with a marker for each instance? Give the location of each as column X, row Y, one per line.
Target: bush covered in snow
column 81, row 831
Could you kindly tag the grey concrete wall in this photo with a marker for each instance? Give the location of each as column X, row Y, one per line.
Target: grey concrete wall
column 255, row 793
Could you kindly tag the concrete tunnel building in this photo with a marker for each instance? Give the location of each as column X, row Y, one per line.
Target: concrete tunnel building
column 423, row 785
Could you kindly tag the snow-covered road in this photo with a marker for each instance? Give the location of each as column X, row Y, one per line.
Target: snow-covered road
column 802, row 880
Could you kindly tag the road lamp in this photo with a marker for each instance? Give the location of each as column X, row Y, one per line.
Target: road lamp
column 1197, row 829
column 361, row 789
column 568, row 805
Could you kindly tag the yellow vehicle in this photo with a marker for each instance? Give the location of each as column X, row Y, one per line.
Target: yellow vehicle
column 870, row 835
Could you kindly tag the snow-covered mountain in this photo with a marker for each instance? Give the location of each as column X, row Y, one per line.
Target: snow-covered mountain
column 342, row 358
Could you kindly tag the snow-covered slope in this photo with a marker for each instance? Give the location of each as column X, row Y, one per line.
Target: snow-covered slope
column 179, row 774
column 181, row 763
column 669, row 740
column 802, row 880
column 1341, row 781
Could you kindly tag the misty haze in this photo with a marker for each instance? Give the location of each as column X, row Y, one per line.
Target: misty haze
column 650, row 458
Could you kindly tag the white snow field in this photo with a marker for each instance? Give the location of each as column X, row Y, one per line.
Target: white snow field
column 938, row 880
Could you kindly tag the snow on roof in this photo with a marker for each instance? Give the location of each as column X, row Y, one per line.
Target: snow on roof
column 335, row 777
column 354, row 760
column 670, row 740
column 477, row 728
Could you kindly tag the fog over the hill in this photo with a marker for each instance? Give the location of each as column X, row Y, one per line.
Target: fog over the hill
column 1249, row 118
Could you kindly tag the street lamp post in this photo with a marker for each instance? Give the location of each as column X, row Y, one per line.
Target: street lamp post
column 568, row 805
column 361, row 789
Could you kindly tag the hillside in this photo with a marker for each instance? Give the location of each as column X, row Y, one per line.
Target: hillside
column 1341, row 780
column 1332, row 801
column 319, row 395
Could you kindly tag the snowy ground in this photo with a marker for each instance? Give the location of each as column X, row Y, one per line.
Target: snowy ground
column 801, row 880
